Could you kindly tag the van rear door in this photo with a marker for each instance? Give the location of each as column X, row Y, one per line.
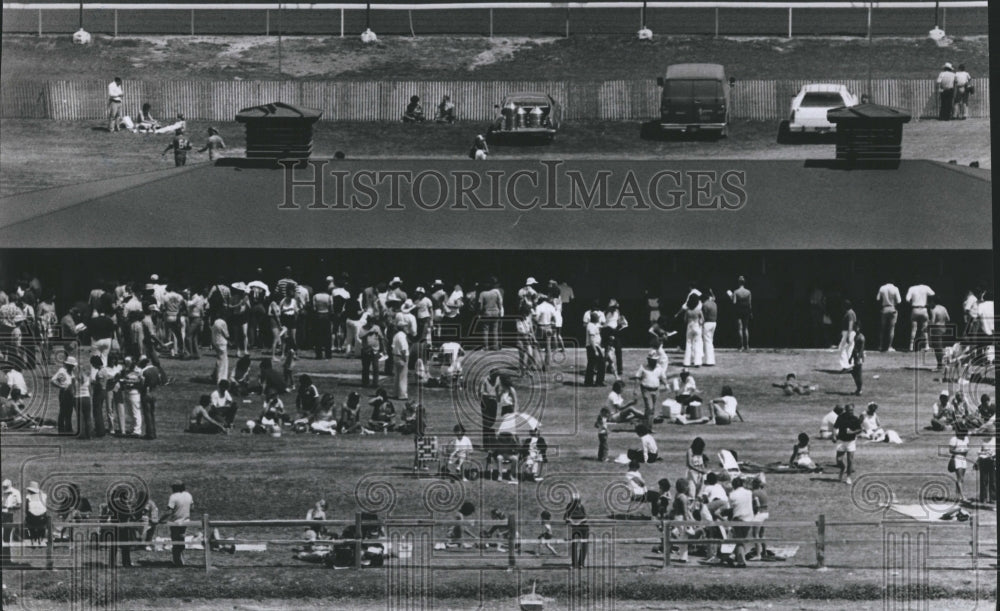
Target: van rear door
column 676, row 105
column 709, row 103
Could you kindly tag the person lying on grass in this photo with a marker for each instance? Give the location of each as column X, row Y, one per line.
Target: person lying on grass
column 792, row 386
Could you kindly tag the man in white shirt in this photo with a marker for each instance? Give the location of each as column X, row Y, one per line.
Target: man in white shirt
column 461, row 449
column 15, row 379
column 986, row 320
column 401, row 356
column 220, row 341
column 741, row 501
column 917, row 296
column 545, row 318
column 114, row 104
column 11, row 507
column 888, row 298
column 178, row 514
column 528, row 293
column 595, row 352
column 946, row 88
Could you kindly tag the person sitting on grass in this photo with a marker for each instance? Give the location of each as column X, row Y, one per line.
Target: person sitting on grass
column 497, row 535
column 619, row 409
column 383, row 417
column 637, row 486
column 306, row 398
column 201, row 421
column 944, row 413
column 647, row 452
column 350, row 415
column 724, row 408
column 826, row 425
column 800, row 455
column 223, row 408
column 240, row 380
column 414, row 419
column 871, row 427
column 323, row 421
column 792, row 386
column 414, row 111
column 533, row 453
column 461, row 448
column 462, row 531
column 271, row 379
column 274, row 409
column 446, row 111
column 147, row 123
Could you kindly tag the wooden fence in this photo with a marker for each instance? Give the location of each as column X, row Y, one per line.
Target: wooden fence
column 759, row 100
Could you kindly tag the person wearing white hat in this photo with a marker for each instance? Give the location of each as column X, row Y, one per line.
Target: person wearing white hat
column 946, row 91
column 396, row 289
column 65, row 379
column 942, row 412
column 11, row 504
column 528, row 294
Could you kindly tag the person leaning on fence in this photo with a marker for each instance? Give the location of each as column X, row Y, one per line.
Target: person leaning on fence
column 963, row 89
column 178, row 514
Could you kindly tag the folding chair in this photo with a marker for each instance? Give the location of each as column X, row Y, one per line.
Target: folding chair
column 426, row 452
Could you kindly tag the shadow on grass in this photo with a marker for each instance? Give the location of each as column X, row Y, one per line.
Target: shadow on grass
column 829, row 480
column 831, row 371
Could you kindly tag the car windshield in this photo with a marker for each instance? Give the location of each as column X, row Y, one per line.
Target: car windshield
column 815, row 99
column 684, row 88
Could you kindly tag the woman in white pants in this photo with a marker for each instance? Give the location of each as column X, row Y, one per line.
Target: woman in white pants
column 694, row 319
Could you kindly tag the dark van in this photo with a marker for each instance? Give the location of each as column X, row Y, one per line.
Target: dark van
column 695, row 99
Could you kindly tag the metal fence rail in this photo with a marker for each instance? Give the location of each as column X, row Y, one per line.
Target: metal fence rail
column 756, row 100
column 771, row 18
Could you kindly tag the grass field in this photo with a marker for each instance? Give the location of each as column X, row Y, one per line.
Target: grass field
column 36, row 154
column 580, row 58
column 256, row 477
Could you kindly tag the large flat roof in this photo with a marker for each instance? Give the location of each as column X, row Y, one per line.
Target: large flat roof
column 775, row 205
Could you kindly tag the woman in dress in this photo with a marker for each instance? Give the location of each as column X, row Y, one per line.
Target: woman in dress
column 697, row 464
column 958, row 448
column 694, row 320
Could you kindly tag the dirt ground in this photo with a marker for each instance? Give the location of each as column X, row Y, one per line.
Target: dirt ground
column 38, row 153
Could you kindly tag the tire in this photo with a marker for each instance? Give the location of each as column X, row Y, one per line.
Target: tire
column 784, row 134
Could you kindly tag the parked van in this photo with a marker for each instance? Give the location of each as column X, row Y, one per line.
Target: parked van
column 695, row 99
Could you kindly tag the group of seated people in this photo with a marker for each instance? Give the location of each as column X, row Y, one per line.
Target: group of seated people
column 686, row 407
column 954, row 412
column 507, row 458
column 322, row 545
column 721, row 497
column 146, row 123
column 414, row 112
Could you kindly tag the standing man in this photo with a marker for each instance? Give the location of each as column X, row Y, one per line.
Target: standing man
column 848, row 326
column 917, row 296
column 545, row 318
column 616, row 323
column 946, row 91
column 180, row 145
column 743, row 301
column 150, row 380
column 846, row 430
column 491, row 309
column 174, row 311
column 372, row 345
column 63, row 380
column 595, row 353
column 401, row 356
column 114, row 104
column 710, row 313
column 178, row 514
column 322, row 308
column 888, row 298
column 937, row 329
column 213, row 144
column 11, row 506
column 195, row 305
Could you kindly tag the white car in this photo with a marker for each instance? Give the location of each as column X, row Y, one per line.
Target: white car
column 810, row 106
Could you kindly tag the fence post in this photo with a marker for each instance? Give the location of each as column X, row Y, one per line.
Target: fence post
column 341, row 23
column 192, row 22
column 206, row 536
column 716, row 22
column 116, row 23
column 357, row 540
column 567, row 21
column 39, row 22
column 267, row 22
column 944, row 17
column 789, row 22
column 666, row 543
column 511, row 540
column 491, row 23
column 49, row 548
column 821, row 541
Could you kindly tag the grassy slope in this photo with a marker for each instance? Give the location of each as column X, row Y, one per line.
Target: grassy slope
column 448, row 58
column 251, row 477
